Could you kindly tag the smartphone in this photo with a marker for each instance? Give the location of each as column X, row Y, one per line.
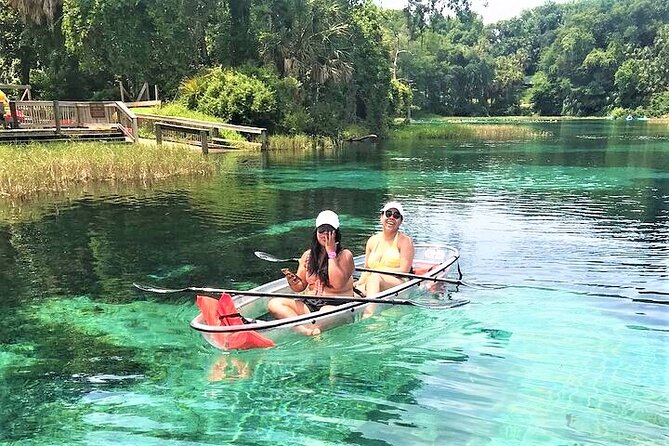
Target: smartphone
column 286, row 271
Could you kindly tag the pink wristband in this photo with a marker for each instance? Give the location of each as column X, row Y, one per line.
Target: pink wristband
column 332, row 254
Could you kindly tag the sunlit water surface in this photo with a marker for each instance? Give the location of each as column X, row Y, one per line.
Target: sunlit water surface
column 572, row 352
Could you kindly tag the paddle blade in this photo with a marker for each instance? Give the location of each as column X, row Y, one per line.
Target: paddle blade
column 270, row 258
column 150, row 289
column 442, row 306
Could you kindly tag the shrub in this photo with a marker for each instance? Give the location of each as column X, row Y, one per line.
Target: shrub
column 231, row 96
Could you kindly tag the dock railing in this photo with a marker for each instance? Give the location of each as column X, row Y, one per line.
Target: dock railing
column 74, row 114
column 198, row 135
column 256, row 136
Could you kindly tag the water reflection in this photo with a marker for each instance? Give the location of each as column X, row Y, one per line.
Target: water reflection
column 230, row 368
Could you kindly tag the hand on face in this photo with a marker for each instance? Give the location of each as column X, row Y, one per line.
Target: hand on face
column 327, row 239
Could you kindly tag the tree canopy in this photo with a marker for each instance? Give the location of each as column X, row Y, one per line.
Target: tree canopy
column 316, row 66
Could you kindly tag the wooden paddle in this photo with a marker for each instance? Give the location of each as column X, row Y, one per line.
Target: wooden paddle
column 432, row 306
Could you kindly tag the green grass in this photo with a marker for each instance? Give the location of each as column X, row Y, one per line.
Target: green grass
column 175, row 110
column 28, row 170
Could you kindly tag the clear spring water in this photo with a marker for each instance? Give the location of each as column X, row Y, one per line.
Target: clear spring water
column 569, row 354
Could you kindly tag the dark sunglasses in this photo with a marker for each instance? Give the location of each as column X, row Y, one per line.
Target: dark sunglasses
column 325, row 228
column 394, row 214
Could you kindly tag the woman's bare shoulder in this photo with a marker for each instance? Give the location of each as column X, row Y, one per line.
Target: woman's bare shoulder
column 405, row 240
column 373, row 238
column 346, row 254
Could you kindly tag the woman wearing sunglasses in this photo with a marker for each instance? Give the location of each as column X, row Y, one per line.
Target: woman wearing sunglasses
column 389, row 250
column 325, row 269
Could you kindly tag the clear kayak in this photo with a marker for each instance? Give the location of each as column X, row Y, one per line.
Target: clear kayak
column 255, row 328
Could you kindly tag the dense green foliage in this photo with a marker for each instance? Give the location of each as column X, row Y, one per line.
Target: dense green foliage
column 322, row 66
column 590, row 56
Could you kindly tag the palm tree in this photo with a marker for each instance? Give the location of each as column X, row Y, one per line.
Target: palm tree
column 306, row 42
column 37, row 11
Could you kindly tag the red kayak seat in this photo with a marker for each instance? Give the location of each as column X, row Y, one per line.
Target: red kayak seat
column 222, row 312
column 422, row 268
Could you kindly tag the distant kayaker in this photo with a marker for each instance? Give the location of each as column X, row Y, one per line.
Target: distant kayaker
column 4, row 107
column 388, row 250
column 324, row 269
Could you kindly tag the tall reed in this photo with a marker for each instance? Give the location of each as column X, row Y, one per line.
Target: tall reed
column 34, row 168
column 300, row 142
column 466, row 131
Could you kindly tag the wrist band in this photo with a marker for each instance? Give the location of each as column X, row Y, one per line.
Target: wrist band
column 332, row 254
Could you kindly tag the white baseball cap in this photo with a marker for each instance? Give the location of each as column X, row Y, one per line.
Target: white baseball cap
column 394, row 205
column 327, row 218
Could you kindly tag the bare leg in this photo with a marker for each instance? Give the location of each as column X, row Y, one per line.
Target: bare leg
column 282, row 308
column 377, row 283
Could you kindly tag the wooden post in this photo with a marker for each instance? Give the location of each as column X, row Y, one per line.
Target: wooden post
column 144, row 90
column 155, row 90
column 158, row 130
column 56, row 115
column 263, row 140
column 135, row 129
column 120, row 85
column 78, row 110
column 14, row 123
column 204, row 136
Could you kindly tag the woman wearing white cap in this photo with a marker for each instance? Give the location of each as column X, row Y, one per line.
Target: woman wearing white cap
column 389, row 250
column 325, row 269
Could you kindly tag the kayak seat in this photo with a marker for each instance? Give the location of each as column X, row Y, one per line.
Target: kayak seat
column 222, row 312
column 422, row 268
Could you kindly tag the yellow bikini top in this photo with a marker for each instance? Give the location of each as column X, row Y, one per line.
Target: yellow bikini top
column 387, row 258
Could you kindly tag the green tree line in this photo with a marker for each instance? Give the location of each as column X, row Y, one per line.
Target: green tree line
column 318, row 66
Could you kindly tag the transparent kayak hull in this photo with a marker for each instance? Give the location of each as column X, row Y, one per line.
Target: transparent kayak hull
column 263, row 331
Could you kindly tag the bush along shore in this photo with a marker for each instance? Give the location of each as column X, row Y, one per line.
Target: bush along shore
column 55, row 167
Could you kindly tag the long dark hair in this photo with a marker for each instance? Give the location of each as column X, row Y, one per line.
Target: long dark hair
column 318, row 264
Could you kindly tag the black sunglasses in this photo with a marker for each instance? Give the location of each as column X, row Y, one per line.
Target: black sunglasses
column 325, row 228
column 394, row 214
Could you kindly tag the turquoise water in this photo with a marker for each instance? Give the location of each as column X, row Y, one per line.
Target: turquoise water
column 568, row 353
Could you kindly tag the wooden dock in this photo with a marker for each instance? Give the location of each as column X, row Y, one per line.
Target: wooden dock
column 113, row 121
column 69, row 120
column 206, row 134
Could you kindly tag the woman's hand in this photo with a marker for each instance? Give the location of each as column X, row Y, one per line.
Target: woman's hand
column 329, row 242
column 294, row 281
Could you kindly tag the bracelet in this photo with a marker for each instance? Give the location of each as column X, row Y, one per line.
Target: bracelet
column 332, row 254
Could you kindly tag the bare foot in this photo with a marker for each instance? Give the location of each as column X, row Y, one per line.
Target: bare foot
column 308, row 331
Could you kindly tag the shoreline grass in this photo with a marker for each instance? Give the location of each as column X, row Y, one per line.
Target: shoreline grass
column 442, row 129
column 27, row 170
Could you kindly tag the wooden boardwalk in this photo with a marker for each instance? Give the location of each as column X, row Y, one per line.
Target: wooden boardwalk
column 69, row 120
column 113, row 121
column 206, row 134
